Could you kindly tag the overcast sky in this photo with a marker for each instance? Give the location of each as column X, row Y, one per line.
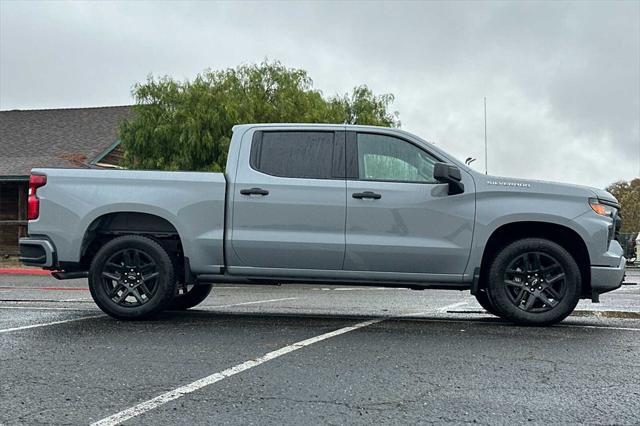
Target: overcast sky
column 562, row 80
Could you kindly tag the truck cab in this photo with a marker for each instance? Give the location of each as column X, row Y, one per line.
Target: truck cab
column 345, row 204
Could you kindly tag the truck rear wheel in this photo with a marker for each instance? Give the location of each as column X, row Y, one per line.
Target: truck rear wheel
column 192, row 297
column 534, row 281
column 131, row 278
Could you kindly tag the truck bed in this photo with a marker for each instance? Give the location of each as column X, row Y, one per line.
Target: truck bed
column 192, row 202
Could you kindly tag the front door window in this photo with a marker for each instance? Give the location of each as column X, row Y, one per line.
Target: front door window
column 385, row 158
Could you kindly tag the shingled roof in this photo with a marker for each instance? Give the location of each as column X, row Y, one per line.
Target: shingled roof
column 71, row 137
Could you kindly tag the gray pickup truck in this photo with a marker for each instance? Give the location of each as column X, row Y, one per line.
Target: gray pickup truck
column 325, row 203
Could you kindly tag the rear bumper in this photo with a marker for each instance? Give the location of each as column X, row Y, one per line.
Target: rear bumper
column 36, row 251
column 607, row 278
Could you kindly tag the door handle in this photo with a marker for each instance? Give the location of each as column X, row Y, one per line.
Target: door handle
column 366, row 194
column 254, row 191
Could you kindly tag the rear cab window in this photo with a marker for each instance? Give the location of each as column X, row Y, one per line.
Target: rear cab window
column 297, row 154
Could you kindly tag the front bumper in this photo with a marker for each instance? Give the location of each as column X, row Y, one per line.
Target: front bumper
column 607, row 278
column 36, row 251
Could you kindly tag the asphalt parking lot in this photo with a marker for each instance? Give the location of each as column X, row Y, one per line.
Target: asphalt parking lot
column 313, row 354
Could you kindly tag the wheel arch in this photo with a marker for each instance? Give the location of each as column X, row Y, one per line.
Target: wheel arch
column 111, row 224
column 568, row 238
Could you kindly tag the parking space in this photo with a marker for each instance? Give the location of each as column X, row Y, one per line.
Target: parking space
column 413, row 372
column 82, row 370
column 312, row 354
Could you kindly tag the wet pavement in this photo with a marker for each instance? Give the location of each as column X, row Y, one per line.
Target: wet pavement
column 313, row 354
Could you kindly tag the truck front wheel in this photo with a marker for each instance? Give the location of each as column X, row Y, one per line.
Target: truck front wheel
column 131, row 278
column 534, row 281
column 485, row 301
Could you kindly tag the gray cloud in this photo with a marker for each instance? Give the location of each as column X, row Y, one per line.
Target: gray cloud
column 562, row 78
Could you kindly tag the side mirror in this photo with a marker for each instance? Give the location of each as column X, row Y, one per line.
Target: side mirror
column 448, row 173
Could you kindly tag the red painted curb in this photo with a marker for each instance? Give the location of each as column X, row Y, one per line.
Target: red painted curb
column 18, row 271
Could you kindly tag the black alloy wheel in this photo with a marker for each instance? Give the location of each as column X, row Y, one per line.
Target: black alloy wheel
column 535, row 282
column 132, row 277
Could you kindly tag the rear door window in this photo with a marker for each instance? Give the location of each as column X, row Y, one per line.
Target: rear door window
column 299, row 154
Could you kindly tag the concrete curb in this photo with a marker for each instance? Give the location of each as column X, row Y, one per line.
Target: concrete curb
column 575, row 313
column 21, row 271
column 606, row 314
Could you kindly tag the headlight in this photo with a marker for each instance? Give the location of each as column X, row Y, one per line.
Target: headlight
column 602, row 209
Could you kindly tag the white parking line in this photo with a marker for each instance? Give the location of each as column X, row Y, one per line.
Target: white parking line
column 27, row 327
column 431, row 311
column 159, row 400
column 453, row 305
column 600, row 327
column 47, row 308
column 56, row 308
column 364, row 288
column 251, row 303
column 506, row 323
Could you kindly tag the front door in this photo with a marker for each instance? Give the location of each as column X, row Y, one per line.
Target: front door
column 399, row 219
column 289, row 202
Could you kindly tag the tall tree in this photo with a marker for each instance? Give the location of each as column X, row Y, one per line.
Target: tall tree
column 187, row 125
column 628, row 194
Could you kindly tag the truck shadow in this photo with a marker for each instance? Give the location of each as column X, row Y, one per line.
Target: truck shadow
column 477, row 319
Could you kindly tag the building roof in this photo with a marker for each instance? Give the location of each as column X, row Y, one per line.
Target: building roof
column 73, row 137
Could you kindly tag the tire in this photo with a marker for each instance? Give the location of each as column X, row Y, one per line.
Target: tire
column 484, row 300
column 534, row 281
column 196, row 295
column 132, row 278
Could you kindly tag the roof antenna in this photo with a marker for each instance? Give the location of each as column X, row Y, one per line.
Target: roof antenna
column 486, row 159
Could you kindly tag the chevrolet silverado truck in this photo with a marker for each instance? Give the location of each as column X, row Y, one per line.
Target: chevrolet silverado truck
column 335, row 204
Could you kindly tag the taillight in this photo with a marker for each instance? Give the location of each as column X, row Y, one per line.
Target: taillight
column 33, row 205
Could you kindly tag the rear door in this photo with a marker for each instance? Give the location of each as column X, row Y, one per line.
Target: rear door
column 399, row 219
column 289, row 203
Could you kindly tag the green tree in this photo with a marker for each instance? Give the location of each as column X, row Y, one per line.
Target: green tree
column 628, row 194
column 187, row 125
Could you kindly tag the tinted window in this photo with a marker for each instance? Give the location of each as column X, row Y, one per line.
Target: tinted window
column 294, row 154
column 387, row 158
